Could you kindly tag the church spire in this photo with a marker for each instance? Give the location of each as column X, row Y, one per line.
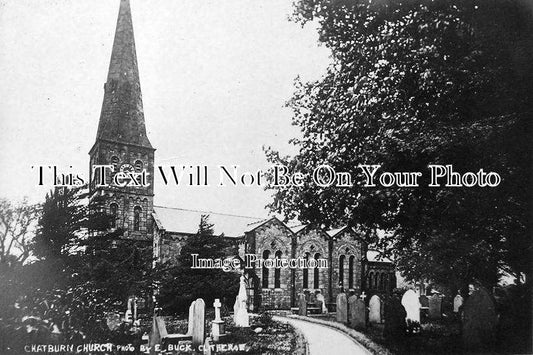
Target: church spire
column 122, row 116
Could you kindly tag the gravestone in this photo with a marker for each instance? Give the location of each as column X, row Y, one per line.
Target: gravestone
column 218, row 323
column 351, row 309
column 479, row 321
column 302, row 305
column 412, row 306
column 240, row 315
column 457, row 303
column 159, row 331
column 374, row 314
column 342, row 308
column 395, row 314
column 191, row 318
column 424, row 301
column 198, row 327
column 357, row 312
column 435, row 307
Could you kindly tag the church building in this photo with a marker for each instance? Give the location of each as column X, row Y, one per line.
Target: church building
column 122, row 142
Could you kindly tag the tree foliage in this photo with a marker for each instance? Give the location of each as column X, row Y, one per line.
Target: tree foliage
column 413, row 83
column 84, row 270
column 181, row 284
column 16, row 223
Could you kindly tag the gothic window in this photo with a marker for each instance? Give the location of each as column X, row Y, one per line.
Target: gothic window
column 136, row 218
column 266, row 254
column 277, row 272
column 138, row 166
column 114, row 214
column 350, row 271
column 316, row 281
column 114, row 162
column 341, row 270
column 306, row 272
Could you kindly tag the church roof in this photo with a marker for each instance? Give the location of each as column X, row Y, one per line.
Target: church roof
column 296, row 229
column 122, row 115
column 184, row 221
column 374, row 256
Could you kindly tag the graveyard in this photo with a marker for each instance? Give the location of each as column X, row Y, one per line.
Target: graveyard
column 403, row 322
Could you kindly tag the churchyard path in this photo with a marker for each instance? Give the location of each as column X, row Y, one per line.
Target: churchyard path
column 324, row 340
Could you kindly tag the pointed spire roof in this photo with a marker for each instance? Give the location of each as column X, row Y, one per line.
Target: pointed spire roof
column 122, row 116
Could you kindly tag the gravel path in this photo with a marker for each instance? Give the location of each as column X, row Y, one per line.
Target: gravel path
column 324, row 340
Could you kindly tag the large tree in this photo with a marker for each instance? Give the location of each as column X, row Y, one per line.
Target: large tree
column 413, row 83
column 16, row 231
column 182, row 284
column 82, row 272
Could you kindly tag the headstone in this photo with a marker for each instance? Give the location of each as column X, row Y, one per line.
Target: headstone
column 395, row 314
column 479, row 321
column 424, row 301
column 240, row 315
column 198, row 327
column 191, row 318
column 457, row 303
column 321, row 302
column 159, row 331
column 351, row 309
column 302, row 305
column 412, row 306
column 435, row 307
column 218, row 323
column 374, row 315
column 357, row 312
column 128, row 316
column 342, row 308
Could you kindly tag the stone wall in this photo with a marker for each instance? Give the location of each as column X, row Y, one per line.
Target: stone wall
column 346, row 245
column 273, row 237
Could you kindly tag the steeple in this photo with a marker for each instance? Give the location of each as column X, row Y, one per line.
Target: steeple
column 121, row 140
column 122, row 116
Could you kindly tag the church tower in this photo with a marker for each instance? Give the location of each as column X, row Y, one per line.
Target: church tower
column 121, row 140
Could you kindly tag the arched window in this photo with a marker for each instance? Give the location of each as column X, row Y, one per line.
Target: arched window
column 376, row 277
column 266, row 254
column 277, row 272
column 386, row 282
column 114, row 214
column 136, row 218
column 371, row 281
column 350, row 271
column 138, row 166
column 316, row 281
column 306, row 272
column 114, row 161
column 341, row 270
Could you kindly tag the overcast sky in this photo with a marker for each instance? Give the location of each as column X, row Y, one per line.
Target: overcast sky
column 214, row 76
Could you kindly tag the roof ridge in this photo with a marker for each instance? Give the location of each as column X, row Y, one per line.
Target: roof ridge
column 208, row 212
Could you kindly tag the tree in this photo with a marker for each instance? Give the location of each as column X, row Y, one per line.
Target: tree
column 16, row 223
column 83, row 271
column 411, row 84
column 181, row 284
column 62, row 224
